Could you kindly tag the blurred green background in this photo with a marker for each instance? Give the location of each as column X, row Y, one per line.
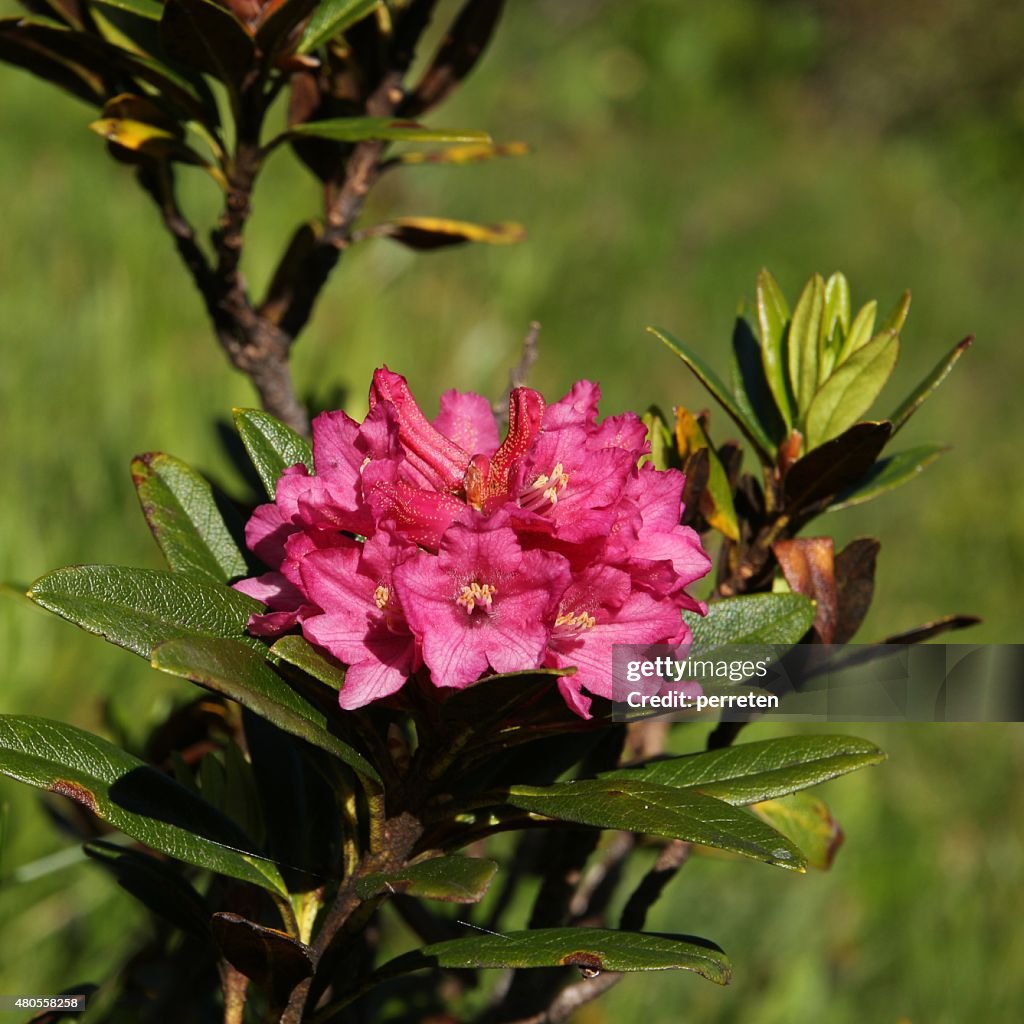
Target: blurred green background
column 677, row 148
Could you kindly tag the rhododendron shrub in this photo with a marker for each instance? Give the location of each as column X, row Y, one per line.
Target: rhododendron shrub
column 418, row 546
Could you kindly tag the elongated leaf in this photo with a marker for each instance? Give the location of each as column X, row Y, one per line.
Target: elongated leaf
column 804, row 344
column 463, row 46
column 808, row 822
column 18, row 49
column 640, row 806
column 426, row 233
column 297, row 651
column 773, row 320
column 834, row 466
column 453, row 879
column 140, row 608
column 384, row 129
column 275, row 31
column 835, row 323
column 750, row 772
column 855, row 586
column 233, row 669
column 271, row 445
column 209, row 37
column 862, row 330
column 331, row 18
column 156, row 884
column 716, row 504
column 889, row 473
column 849, row 392
column 182, row 514
column 898, row 315
column 460, row 156
column 923, row 390
column 146, row 139
column 750, row 389
column 151, row 9
column 750, row 428
column 590, row 949
column 133, row 797
column 808, row 565
column 751, row 619
column 271, row 958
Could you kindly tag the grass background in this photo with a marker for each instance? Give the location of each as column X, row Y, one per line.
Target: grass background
column 677, row 148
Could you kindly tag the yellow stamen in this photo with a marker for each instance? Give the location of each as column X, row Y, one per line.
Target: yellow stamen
column 474, row 594
column 553, row 484
column 381, row 596
column 581, row 620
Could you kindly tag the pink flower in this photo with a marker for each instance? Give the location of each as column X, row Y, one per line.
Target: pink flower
column 431, row 548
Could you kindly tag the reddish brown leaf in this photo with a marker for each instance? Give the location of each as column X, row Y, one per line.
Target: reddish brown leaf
column 808, row 563
column 855, row 586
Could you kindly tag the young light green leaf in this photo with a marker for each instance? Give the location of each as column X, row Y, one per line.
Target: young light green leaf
column 297, row 651
column 751, row 619
column 140, row 608
column 129, row 794
column 898, row 316
column 331, row 18
column 835, row 323
column 808, row 822
column 773, row 320
column 183, row 516
column 590, row 949
column 453, row 879
column 849, row 392
column 233, row 669
column 639, row 806
column 923, row 390
column 271, row 445
column 888, row 474
column 804, row 343
column 750, row 428
column 861, row 331
column 383, row 129
column 750, row 772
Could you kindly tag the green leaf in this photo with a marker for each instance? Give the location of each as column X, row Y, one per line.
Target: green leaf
column 297, row 651
column 835, row 323
column 639, row 806
column 271, row 445
column 849, row 392
column 898, row 316
column 276, row 31
column 156, row 884
column 453, row 879
column 19, row 47
column 132, row 796
column 207, row 36
column 663, row 453
column 750, row 389
column 862, row 330
column 751, row 772
column 750, row 428
column 183, row 516
column 808, row 822
column 383, row 129
column 834, row 466
column 923, row 390
column 140, row 608
column 151, row 9
column 773, row 318
column 889, row 473
column 461, row 156
column 233, row 669
column 751, row 619
column 591, row 949
column 716, row 503
column 804, row 343
column 331, row 18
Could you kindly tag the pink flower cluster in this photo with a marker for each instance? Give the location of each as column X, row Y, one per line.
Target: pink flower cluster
column 433, row 544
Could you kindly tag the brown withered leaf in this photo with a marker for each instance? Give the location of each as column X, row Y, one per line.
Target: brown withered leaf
column 271, row 958
column 855, row 585
column 808, row 563
column 696, row 468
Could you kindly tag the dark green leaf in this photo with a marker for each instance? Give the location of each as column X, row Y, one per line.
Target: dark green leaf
column 773, row 320
column 140, row 608
column 20, row 48
column 384, row 129
column 132, row 796
column 750, row 389
column 331, row 18
column 271, row 958
column 750, row 428
column 803, row 346
column 276, row 30
column 590, row 949
column 179, row 506
column 835, row 466
column 271, row 445
column 463, row 45
column 849, row 392
column 639, row 806
column 233, row 669
column 151, row 9
column 208, row 37
column 297, row 651
column 751, row 619
column 889, row 473
column 923, row 390
column 751, row 772
column 156, row 884
column 453, row 879
column 808, row 822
